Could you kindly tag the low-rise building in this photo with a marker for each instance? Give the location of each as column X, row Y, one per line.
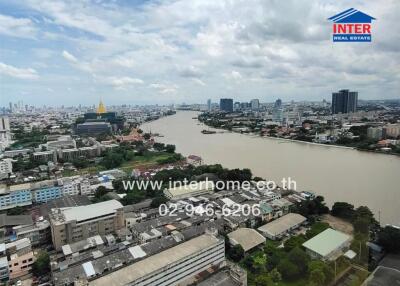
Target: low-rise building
column 280, row 227
column 73, row 224
column 20, row 257
column 328, row 245
column 191, row 190
column 248, row 238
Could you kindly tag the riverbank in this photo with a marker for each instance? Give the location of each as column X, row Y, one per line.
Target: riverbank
column 252, row 134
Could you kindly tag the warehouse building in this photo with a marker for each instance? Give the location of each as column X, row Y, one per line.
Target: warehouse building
column 246, row 237
column 328, row 245
column 280, row 227
column 191, row 190
column 177, row 265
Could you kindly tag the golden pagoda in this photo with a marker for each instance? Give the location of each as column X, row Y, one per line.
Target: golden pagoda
column 101, row 108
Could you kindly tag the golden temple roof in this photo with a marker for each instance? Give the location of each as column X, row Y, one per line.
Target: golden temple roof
column 101, row 108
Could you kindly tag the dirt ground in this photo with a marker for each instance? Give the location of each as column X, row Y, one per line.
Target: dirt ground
column 338, row 224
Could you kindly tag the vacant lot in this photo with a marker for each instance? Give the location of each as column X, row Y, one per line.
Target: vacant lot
column 338, row 224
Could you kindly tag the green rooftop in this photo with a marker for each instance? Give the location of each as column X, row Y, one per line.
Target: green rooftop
column 327, row 241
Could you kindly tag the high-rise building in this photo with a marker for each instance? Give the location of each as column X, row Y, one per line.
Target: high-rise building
column 209, row 105
column 255, row 104
column 277, row 112
column 344, row 101
column 226, row 104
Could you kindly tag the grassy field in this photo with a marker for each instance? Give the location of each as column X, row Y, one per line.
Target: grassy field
column 147, row 160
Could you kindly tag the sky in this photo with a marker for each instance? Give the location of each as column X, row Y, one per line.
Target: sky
column 170, row 52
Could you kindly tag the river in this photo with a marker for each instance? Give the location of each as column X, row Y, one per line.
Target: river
column 338, row 174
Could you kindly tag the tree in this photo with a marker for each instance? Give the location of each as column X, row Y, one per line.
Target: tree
column 100, row 192
column 236, row 253
column 293, row 242
column 263, row 280
column 317, row 277
column 343, row 210
column 259, row 262
column 389, row 238
column 158, row 146
column 288, row 269
column 80, row 163
column 300, row 258
column 157, row 201
column 146, row 136
column 275, row 275
column 170, row 148
column 316, row 228
column 42, row 264
column 317, row 267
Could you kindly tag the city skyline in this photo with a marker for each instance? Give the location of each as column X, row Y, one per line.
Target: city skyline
column 173, row 52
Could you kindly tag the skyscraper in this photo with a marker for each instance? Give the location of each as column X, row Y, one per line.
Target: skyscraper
column 344, row 101
column 255, row 104
column 277, row 112
column 226, row 104
column 209, row 105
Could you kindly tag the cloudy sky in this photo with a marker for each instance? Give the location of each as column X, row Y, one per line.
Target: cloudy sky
column 144, row 52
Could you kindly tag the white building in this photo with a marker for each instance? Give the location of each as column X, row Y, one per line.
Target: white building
column 5, row 168
column 70, row 186
column 5, row 132
column 177, row 265
column 328, row 245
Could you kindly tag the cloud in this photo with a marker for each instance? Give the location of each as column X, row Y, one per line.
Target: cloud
column 164, row 88
column 121, row 83
column 189, row 72
column 69, row 57
column 22, row 73
column 17, row 27
column 233, row 75
column 203, row 47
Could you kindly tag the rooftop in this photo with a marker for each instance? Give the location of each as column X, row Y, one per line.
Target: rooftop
column 326, row 242
column 158, row 261
column 191, row 188
column 14, row 220
column 82, row 213
column 248, row 238
column 282, row 224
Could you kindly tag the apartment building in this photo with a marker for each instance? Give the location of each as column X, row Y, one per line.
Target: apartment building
column 5, row 168
column 20, row 257
column 45, row 156
column 73, row 224
column 16, row 195
column 45, row 191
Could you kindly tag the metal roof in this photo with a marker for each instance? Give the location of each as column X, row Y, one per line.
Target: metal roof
column 326, row 242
